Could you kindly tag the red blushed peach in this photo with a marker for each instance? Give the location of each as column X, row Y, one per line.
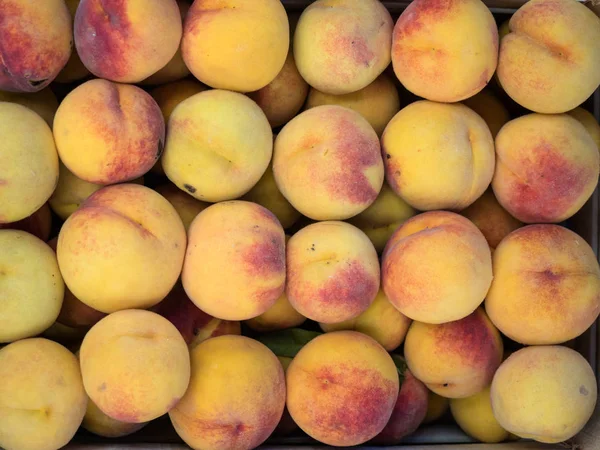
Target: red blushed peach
column 39, row 223
column 332, row 272
column 36, row 43
column 547, row 167
column 235, row 263
column 327, row 163
column 127, row 41
column 342, row 388
column 455, row 359
column 120, row 126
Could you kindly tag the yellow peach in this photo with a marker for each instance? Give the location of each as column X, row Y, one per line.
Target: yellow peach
column 436, row 407
column 589, row 122
column 490, row 108
column 43, row 102
column 280, row 316
column 169, row 95
column 186, row 206
column 96, row 422
column 39, row 223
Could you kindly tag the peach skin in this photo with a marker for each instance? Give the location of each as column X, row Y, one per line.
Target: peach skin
column 169, row 95
column 74, row 70
column 342, row 388
column 589, row 122
column 490, row 108
column 126, row 233
column 438, row 156
column 186, row 206
column 327, row 163
column 546, row 287
column 235, row 263
column 437, row 406
column 435, row 62
column 547, row 167
column 135, row 365
column 30, row 59
column 236, row 395
column 280, row 316
column 342, row 46
column 454, row 359
column 550, row 59
column 98, row 423
column 436, row 267
column 127, row 41
column 39, row 223
column 332, row 272
column 43, row 102
column 224, row 39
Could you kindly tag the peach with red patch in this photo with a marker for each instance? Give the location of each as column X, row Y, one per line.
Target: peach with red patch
column 327, row 163
column 30, row 60
column 342, row 388
column 435, row 62
column 235, row 263
column 332, row 272
column 39, row 223
column 342, row 47
column 127, row 40
column 454, row 359
column 547, row 277
column 436, row 267
column 122, row 128
column 547, row 167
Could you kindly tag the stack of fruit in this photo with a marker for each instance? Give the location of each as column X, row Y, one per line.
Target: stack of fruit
column 253, row 238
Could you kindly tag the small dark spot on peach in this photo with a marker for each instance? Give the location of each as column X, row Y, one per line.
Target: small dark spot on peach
column 188, row 187
column 388, row 156
column 102, row 387
column 445, row 384
column 583, row 390
column 239, row 428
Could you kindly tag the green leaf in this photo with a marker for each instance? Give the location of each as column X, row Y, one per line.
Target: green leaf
column 288, row 342
column 401, row 365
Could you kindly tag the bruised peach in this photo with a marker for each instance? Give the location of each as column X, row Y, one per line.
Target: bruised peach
column 280, row 316
column 454, row 359
column 589, row 122
column 39, row 223
column 235, row 263
column 327, row 163
column 186, row 206
column 342, row 388
column 436, row 267
column 490, row 108
column 235, row 398
column 283, row 97
column 547, row 167
column 135, row 365
column 74, row 70
column 43, row 102
column 546, row 287
column 377, row 102
column 550, row 59
column 169, row 95
column 492, row 219
column 332, row 272
column 30, row 58
column 223, row 41
column 434, row 61
column 127, row 41
column 98, row 423
column 127, row 234
column 342, row 46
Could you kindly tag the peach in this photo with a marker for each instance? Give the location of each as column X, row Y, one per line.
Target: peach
column 492, row 219
column 169, row 95
column 28, row 162
column 175, row 68
column 589, row 122
column 135, row 365
column 332, row 272
column 223, row 41
column 43, row 102
column 186, row 206
column 436, row 267
column 410, row 408
column 327, row 163
column 267, row 194
column 342, row 388
column 454, row 359
column 286, row 424
column 383, row 217
column 435, row 62
column 280, row 316
column 127, row 41
column 283, row 97
column 218, row 146
column 438, row 156
column 98, row 423
column 31, row 286
column 123, row 248
column 235, row 262
column 342, row 46
column 42, row 400
column 236, row 395
column 550, row 60
column 120, row 127
column 546, row 287
column 382, row 321
column 475, row 417
column 377, row 102
column 39, row 223
column 547, row 167
column 31, row 59
column 437, row 406
column 74, row 70
column 545, row 393
column 490, row 108
column 194, row 324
